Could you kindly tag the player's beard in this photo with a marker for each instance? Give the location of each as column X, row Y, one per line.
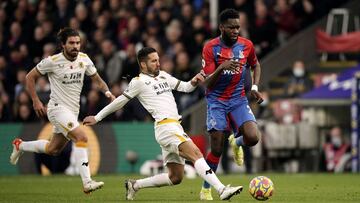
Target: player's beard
column 156, row 72
column 73, row 53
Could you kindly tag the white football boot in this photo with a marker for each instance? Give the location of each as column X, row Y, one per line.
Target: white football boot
column 92, row 185
column 16, row 153
column 228, row 192
column 130, row 191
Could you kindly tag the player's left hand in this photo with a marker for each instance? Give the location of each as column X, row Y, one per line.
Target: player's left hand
column 109, row 95
column 89, row 120
column 257, row 95
column 198, row 78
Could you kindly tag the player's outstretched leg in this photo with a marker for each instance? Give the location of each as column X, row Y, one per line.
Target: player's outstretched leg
column 19, row 147
column 130, row 190
column 237, row 150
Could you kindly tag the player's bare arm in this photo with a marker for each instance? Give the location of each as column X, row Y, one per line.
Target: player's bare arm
column 227, row 65
column 102, row 86
column 256, row 79
column 38, row 106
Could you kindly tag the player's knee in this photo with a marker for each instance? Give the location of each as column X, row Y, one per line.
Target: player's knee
column 253, row 139
column 81, row 138
column 198, row 153
column 176, row 179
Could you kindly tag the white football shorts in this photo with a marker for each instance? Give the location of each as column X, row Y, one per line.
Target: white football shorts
column 62, row 119
column 170, row 136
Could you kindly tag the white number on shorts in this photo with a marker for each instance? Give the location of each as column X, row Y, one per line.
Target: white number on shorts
column 250, row 112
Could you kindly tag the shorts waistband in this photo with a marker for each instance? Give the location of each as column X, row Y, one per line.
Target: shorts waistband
column 168, row 120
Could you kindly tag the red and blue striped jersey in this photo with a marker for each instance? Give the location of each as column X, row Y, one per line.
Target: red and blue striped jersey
column 230, row 84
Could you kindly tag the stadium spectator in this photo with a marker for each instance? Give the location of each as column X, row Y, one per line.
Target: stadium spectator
column 244, row 25
column 82, row 15
column 336, row 152
column 184, row 72
column 43, row 90
column 63, row 108
column 299, row 81
column 130, row 67
column 24, row 114
column 263, row 23
column 154, row 90
column 286, row 20
column 5, row 111
column 226, row 60
column 109, row 63
column 20, row 86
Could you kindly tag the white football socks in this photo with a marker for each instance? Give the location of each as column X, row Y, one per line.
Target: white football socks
column 203, row 169
column 82, row 161
column 153, row 181
column 38, row 146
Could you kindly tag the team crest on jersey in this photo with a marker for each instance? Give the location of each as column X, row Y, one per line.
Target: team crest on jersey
column 81, row 64
column 241, row 54
column 70, row 125
column 148, row 83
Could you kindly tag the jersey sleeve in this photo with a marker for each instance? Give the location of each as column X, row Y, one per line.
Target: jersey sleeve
column 133, row 88
column 252, row 59
column 45, row 66
column 173, row 82
column 115, row 105
column 208, row 60
column 179, row 85
column 90, row 67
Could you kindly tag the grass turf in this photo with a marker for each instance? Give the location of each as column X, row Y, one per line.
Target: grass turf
column 288, row 188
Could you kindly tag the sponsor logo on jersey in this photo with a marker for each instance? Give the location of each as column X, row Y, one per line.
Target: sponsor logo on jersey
column 241, row 54
column 148, row 83
column 162, row 77
column 70, row 125
column 162, row 87
column 230, row 72
column 203, row 63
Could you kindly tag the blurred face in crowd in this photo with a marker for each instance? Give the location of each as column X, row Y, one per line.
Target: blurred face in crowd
column 24, row 112
column 151, row 65
column 299, row 69
column 336, row 136
column 230, row 30
column 72, row 47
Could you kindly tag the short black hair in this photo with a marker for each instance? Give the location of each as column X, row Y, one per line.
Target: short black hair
column 143, row 53
column 226, row 14
column 65, row 33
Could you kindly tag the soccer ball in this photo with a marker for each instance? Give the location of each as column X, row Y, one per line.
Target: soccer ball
column 261, row 188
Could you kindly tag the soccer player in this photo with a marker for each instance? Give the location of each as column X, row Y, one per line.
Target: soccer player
column 226, row 62
column 154, row 88
column 66, row 72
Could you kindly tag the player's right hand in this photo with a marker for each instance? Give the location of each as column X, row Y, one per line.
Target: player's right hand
column 231, row 65
column 89, row 120
column 39, row 108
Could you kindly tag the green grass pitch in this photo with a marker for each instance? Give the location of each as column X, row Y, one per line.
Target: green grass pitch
column 289, row 188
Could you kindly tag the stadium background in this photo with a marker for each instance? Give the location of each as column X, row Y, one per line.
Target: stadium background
column 113, row 31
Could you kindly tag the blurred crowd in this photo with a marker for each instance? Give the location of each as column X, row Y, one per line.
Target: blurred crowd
column 113, row 30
